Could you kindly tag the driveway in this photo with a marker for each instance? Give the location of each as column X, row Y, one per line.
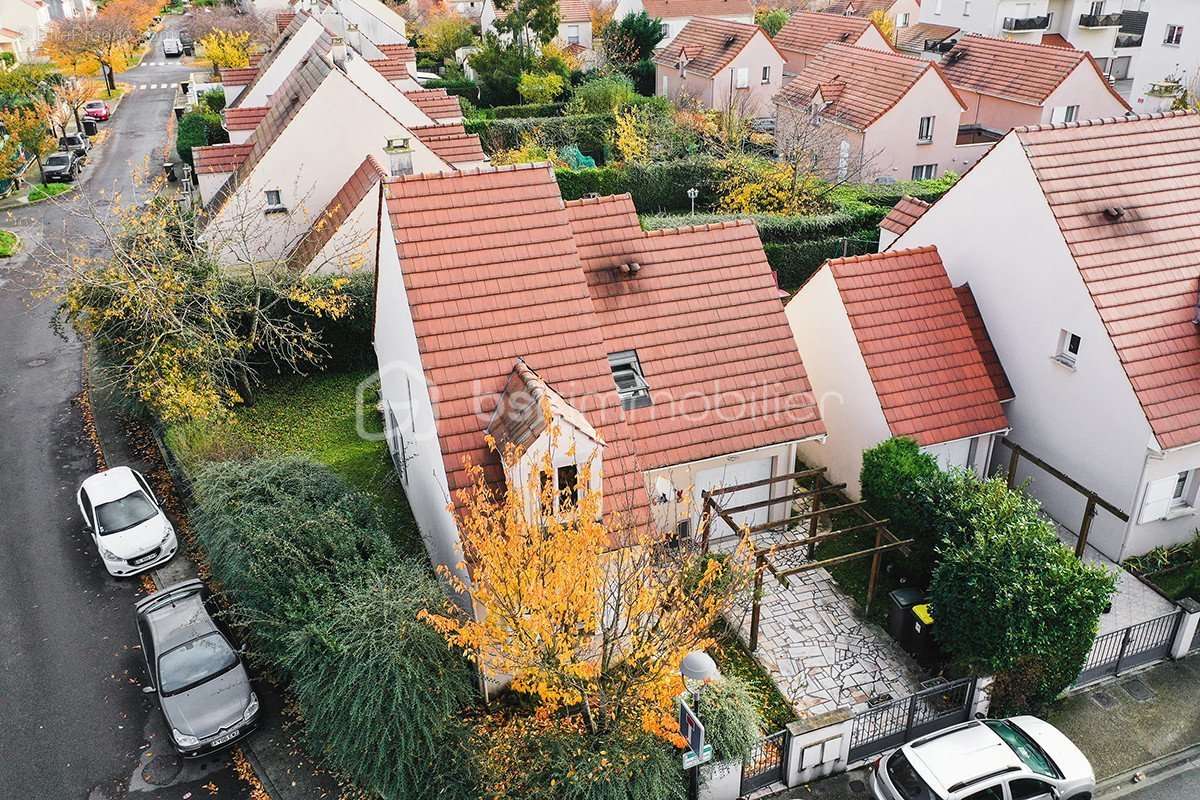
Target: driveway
column 75, row 723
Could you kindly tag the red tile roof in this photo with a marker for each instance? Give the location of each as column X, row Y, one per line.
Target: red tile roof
column 10, row 33
column 1141, row 270
column 970, row 309
column 492, row 275
column 322, row 45
column 436, row 103
column 907, row 211
column 398, row 52
column 704, row 316
column 337, row 211
column 863, row 84
column 1056, row 40
column 912, row 38
column 710, row 44
column 859, row 8
column 451, row 143
column 1026, row 73
column 256, row 59
column 216, row 158
column 239, row 76
column 574, row 11
column 928, row 373
column 283, row 19
column 244, row 118
column 807, row 32
column 670, row 9
column 391, row 68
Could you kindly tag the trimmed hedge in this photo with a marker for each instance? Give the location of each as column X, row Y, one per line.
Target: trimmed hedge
column 528, row 111
column 795, row 262
column 850, row 220
column 888, row 194
column 655, row 187
column 590, row 132
column 456, row 87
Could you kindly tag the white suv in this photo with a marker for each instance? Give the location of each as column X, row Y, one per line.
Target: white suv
column 1022, row 758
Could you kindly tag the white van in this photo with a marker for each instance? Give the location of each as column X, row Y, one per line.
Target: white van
column 172, row 47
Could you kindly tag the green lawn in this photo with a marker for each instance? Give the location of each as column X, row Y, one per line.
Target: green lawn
column 313, row 416
column 9, row 243
column 854, row 576
column 42, row 191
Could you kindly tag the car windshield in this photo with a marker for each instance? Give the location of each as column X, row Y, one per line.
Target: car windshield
column 1026, row 748
column 118, row 515
column 191, row 664
column 57, row 161
column 908, row 783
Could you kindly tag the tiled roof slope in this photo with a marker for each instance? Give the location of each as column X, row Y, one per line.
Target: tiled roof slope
column 865, row 84
column 704, row 316
column 1056, row 40
column 710, row 44
column 492, row 275
column 451, row 143
column 244, row 118
column 337, row 211
column 808, row 31
column 398, row 52
column 1026, row 73
column 323, row 44
column 283, row 19
column 983, row 340
column 574, row 11
column 860, row 8
column 391, row 68
column 239, row 76
column 436, row 103
column 907, row 211
column 927, row 370
column 1142, row 270
column 669, row 9
column 216, row 158
column 912, row 38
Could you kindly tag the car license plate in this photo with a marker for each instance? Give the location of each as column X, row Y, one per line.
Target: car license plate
column 229, row 737
column 143, row 559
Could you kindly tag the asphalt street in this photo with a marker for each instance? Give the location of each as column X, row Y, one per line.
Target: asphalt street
column 73, row 720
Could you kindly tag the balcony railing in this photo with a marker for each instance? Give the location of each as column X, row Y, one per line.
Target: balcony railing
column 1027, row 23
column 1100, row 20
column 1129, row 40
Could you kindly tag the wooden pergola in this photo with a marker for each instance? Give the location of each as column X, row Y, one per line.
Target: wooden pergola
column 823, row 499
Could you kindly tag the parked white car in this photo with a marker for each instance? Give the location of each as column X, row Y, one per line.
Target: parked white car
column 1022, row 758
column 126, row 521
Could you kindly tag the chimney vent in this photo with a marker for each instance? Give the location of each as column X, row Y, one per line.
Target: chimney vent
column 1114, row 213
column 339, row 51
column 399, row 153
column 630, row 269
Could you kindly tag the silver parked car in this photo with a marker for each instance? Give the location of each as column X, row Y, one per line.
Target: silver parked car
column 197, row 674
column 1023, row 758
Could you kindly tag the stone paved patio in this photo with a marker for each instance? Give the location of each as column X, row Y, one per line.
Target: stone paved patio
column 820, row 653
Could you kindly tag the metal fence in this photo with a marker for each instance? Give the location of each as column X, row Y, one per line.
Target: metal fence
column 765, row 764
column 1122, row 650
column 898, row 721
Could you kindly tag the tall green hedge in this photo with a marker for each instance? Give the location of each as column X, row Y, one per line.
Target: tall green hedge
column 590, row 132
column 655, row 187
column 849, row 220
column 528, row 111
column 455, row 87
column 795, row 262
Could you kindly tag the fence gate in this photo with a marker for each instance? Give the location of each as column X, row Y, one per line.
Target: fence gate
column 1116, row 652
column 898, row 721
column 764, row 765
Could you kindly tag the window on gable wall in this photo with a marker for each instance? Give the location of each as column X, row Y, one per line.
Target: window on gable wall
column 1064, row 114
column 1170, row 497
column 1068, row 348
column 925, row 130
column 966, row 8
column 1174, row 35
column 742, row 79
column 568, row 485
column 766, row 74
column 274, row 200
column 572, row 34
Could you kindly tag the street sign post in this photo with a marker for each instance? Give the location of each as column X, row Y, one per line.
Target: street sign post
column 692, row 730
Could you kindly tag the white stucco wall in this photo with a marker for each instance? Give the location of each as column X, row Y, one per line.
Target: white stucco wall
column 850, row 408
column 401, row 374
column 387, row 93
column 572, row 446
column 1085, row 88
column 281, row 66
column 986, row 16
column 995, row 231
column 240, row 137
column 209, row 183
column 1180, row 524
column 890, row 144
column 351, row 248
column 1157, row 60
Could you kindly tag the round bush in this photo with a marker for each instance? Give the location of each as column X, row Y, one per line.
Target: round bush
column 730, row 717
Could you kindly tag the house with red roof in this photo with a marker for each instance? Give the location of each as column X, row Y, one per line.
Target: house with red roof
column 306, row 155
column 890, row 351
column 663, row 356
column 721, row 65
column 806, row 32
column 1006, row 84
column 868, row 115
column 575, row 24
column 1079, row 243
column 674, row 15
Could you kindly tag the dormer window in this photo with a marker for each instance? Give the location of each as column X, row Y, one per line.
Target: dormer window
column 630, row 380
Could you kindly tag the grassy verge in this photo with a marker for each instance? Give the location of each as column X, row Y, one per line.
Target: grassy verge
column 10, row 243
column 733, row 658
column 313, row 416
column 44, row 191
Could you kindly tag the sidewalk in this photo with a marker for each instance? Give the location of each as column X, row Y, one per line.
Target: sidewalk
column 853, row 785
column 1137, row 719
column 280, row 767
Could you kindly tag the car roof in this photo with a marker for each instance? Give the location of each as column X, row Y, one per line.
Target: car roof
column 178, row 622
column 961, row 755
column 111, row 484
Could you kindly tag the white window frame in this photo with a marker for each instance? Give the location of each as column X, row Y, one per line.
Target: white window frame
column 766, row 74
column 572, row 34
column 1063, row 114
column 741, row 78
column 666, row 30
column 924, row 172
column 1173, row 36
column 924, row 132
column 1170, row 497
column 1067, row 352
column 277, row 205
column 902, row 20
column 937, row 7
column 666, row 86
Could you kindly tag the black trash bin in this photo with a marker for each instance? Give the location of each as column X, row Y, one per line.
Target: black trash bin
column 169, row 171
column 89, row 126
column 900, row 603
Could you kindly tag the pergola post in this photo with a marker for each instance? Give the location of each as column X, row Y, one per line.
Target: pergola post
column 1012, row 465
column 705, row 521
column 812, row 527
column 756, row 610
column 1089, row 511
column 874, row 580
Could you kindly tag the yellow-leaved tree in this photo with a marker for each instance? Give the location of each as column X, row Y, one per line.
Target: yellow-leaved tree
column 588, row 609
column 227, row 49
column 886, row 25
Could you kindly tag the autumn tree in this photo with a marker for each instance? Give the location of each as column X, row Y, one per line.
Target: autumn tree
column 27, row 129
column 540, row 87
column 886, row 25
column 177, row 328
column 107, row 39
column 74, row 94
column 55, row 114
column 260, row 27
column 589, row 612
column 226, row 49
column 444, row 32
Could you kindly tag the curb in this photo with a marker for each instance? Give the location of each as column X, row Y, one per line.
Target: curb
column 1123, row 782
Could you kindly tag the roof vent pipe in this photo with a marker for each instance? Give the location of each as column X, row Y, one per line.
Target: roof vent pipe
column 1114, row 213
column 630, row 269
